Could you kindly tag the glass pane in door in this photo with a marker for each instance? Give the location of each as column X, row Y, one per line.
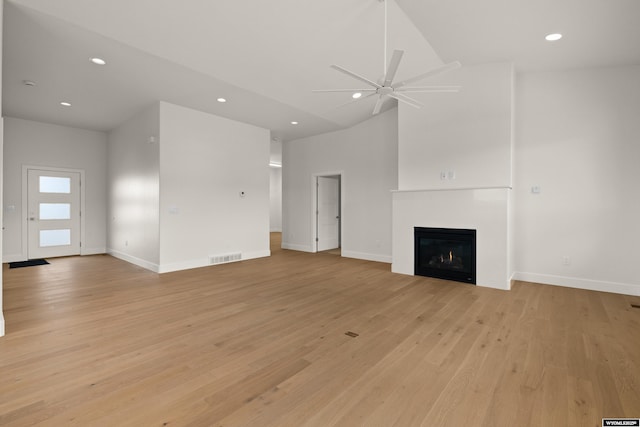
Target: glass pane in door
column 55, row 238
column 55, row 211
column 54, row 184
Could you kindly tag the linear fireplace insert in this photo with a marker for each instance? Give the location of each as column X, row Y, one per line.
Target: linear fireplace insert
column 445, row 253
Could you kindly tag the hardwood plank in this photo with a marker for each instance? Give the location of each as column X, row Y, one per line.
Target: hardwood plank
column 97, row 341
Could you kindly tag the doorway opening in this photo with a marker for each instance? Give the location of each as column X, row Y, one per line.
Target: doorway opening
column 328, row 213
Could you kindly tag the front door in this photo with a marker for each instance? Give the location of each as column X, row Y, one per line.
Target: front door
column 328, row 213
column 53, row 208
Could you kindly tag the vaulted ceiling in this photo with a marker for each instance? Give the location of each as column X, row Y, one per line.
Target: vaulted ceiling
column 266, row 59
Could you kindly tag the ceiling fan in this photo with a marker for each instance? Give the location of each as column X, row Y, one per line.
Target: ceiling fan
column 386, row 87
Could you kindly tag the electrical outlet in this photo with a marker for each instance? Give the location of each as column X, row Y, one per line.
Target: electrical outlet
column 451, row 174
column 566, row 260
column 443, row 175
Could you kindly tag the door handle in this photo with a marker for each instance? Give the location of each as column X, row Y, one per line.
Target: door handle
column 32, row 218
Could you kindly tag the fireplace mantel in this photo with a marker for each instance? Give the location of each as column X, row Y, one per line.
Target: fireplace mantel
column 449, row 189
column 483, row 209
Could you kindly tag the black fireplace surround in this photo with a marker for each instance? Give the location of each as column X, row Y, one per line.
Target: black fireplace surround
column 445, row 253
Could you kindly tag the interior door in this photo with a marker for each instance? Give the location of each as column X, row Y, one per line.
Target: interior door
column 53, row 208
column 328, row 213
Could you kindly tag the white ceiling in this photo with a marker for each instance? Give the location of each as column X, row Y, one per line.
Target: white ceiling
column 597, row 33
column 266, row 59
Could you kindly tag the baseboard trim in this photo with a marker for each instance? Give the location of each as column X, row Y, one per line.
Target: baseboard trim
column 183, row 265
column 198, row 263
column 295, row 247
column 93, row 251
column 1, row 323
column 21, row 257
column 13, row 258
column 134, row 260
column 503, row 287
column 255, row 254
column 575, row 282
column 367, row 256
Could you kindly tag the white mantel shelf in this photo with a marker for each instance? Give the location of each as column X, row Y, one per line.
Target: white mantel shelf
column 451, row 189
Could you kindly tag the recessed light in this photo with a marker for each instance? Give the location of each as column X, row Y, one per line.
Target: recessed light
column 221, row 100
column 294, row 123
column 65, row 104
column 356, row 95
column 98, row 61
column 553, row 37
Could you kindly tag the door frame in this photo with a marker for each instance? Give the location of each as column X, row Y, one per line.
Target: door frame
column 25, row 204
column 314, row 207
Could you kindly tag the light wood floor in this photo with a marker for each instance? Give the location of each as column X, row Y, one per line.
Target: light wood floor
column 97, row 341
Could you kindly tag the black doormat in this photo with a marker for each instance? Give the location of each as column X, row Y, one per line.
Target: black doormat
column 28, row 263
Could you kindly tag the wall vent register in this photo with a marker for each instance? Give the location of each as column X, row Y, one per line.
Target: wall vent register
column 224, row 258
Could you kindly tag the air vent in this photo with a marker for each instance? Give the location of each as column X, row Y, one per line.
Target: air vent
column 224, row 258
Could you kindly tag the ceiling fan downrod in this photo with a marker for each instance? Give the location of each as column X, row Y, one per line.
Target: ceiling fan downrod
column 386, row 87
column 384, row 64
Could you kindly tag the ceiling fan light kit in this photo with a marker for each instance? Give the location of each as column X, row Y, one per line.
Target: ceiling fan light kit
column 386, row 88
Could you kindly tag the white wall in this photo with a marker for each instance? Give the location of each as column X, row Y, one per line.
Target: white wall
column 1, row 179
column 275, row 152
column 275, row 191
column 578, row 140
column 205, row 163
column 134, row 189
column 366, row 157
column 275, row 199
column 468, row 133
column 1, row 167
column 40, row 144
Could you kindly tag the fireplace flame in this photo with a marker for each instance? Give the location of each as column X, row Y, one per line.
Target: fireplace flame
column 450, row 256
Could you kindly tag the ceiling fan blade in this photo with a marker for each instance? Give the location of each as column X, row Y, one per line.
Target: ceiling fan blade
column 431, row 73
column 343, row 90
column 393, row 67
column 356, row 76
column 429, row 89
column 407, row 100
column 351, row 101
column 378, row 106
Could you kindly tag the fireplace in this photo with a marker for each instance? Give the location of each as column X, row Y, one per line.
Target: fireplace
column 445, row 253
